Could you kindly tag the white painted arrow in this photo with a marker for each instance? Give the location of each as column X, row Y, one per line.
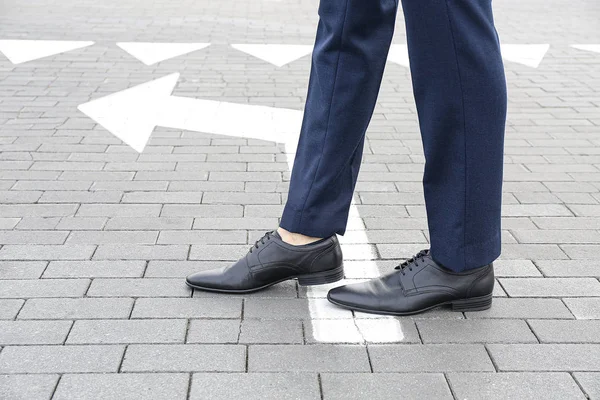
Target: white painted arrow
column 132, row 115
column 276, row 54
column 398, row 54
column 20, row 51
column 587, row 47
column 530, row 55
column 152, row 53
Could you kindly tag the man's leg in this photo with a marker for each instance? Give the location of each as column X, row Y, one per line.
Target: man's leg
column 460, row 92
column 350, row 53
column 353, row 39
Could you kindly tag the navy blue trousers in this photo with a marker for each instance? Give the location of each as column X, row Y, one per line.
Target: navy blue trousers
column 460, row 93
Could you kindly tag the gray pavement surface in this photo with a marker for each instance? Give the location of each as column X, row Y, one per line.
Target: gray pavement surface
column 95, row 238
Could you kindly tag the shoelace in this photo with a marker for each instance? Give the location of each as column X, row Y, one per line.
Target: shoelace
column 266, row 236
column 409, row 263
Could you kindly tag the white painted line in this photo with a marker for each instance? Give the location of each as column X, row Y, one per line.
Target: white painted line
column 132, row 114
column 152, row 53
column 587, row 47
column 530, row 55
column 276, row 54
column 20, row 51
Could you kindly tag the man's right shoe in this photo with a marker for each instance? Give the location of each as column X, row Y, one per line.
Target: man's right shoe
column 271, row 261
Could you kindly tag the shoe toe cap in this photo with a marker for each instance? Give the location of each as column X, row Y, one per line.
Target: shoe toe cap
column 347, row 295
column 205, row 279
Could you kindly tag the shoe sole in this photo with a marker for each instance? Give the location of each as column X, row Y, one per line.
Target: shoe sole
column 318, row 278
column 462, row 305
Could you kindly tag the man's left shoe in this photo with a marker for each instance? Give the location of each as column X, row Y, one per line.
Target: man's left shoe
column 419, row 284
column 270, row 261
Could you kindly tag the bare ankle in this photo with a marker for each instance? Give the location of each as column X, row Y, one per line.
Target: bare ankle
column 295, row 239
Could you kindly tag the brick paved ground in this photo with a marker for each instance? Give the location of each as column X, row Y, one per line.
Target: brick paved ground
column 95, row 238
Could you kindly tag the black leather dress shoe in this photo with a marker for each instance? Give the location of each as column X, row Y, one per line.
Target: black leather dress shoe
column 417, row 285
column 271, row 261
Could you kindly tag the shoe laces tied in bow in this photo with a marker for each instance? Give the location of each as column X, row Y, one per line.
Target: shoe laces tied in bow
column 266, row 236
column 413, row 260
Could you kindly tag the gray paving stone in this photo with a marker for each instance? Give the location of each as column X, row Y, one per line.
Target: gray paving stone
column 271, row 332
column 82, row 197
column 10, row 308
column 8, row 223
column 218, row 252
column 202, row 237
column 565, row 223
column 569, row 331
column 551, row 287
column 292, row 309
column 33, row 237
column 307, row 358
column 112, row 237
column 22, row 289
column 140, row 252
column 546, row 357
column 37, row 210
column 584, row 308
column 382, row 386
column 33, row 332
column 81, row 223
column 60, row 359
column 533, row 251
column 557, row 236
column 47, row 252
column 80, row 308
column 213, row 331
column 95, row 269
column 582, row 251
column 163, row 197
column 127, row 331
column 188, row 308
column 27, row 387
column 188, row 357
column 139, row 223
column 119, row 210
column 569, row 268
column 255, row 386
column 430, row 358
column 514, row 386
column 590, row 382
column 139, row 287
column 475, row 331
column 122, row 386
column 524, row 308
column 202, row 210
column 515, row 268
column 21, row 269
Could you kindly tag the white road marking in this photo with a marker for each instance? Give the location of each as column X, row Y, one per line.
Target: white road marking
column 398, row 54
column 152, row 53
column 276, row 54
column 132, row 114
column 20, row 51
column 587, row 47
column 530, row 55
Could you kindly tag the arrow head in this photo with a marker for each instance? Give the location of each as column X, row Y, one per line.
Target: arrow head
column 131, row 114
